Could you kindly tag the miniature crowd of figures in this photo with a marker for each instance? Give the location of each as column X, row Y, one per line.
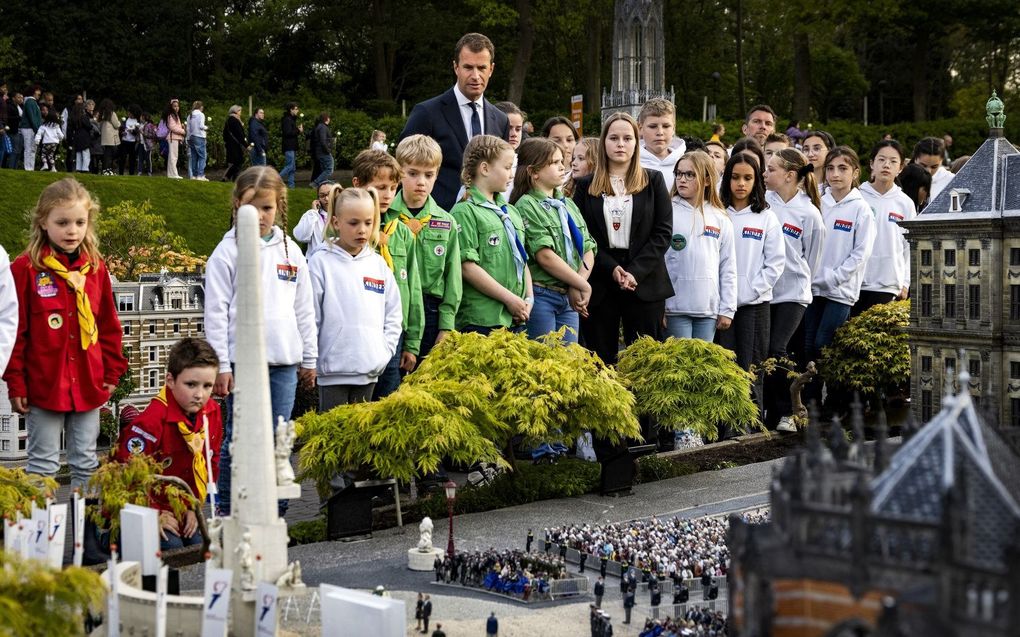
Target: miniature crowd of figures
column 696, row 622
column 687, row 548
column 510, row 572
column 601, row 622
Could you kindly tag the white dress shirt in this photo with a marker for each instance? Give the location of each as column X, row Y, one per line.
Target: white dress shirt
column 465, row 111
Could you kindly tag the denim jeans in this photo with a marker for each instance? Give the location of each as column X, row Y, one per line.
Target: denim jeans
column 289, row 167
column 81, row 429
column 551, row 312
column 257, row 158
column 82, row 160
column 282, row 391
column 143, row 160
column 326, row 170
column 3, row 151
column 197, row 157
column 822, row 319
column 174, row 541
column 17, row 148
column 390, row 379
column 28, row 147
column 699, row 327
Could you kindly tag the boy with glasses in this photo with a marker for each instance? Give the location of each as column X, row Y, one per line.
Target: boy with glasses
column 310, row 228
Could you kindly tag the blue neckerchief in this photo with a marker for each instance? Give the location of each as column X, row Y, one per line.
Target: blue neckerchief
column 573, row 240
column 516, row 247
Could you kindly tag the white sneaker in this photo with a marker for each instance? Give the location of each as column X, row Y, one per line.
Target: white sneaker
column 786, row 424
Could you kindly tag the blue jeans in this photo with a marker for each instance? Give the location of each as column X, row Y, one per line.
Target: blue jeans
column 282, row 391
column 257, row 158
column 551, row 312
column 143, row 159
column 18, row 148
column 821, row 320
column 390, row 379
column 197, row 157
column 174, row 541
column 326, row 166
column 699, row 327
column 485, row 330
column 3, row 151
column 80, row 430
column 289, row 167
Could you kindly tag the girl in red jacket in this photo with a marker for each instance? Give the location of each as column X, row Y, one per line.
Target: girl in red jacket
column 67, row 357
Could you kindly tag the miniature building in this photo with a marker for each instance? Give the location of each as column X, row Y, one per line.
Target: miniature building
column 13, row 433
column 639, row 72
column 965, row 282
column 926, row 546
column 155, row 312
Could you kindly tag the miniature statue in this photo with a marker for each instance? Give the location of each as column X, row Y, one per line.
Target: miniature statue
column 291, row 578
column 800, row 412
column 425, row 535
column 245, row 562
column 284, row 445
column 215, row 529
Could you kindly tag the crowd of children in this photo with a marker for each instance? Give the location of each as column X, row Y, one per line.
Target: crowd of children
column 764, row 247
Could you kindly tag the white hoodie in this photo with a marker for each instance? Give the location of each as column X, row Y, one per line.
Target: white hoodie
column 939, row 181
column 677, row 148
column 849, row 237
column 803, row 234
column 760, row 254
column 8, row 311
column 286, row 300
column 888, row 268
column 701, row 262
column 357, row 305
column 310, row 229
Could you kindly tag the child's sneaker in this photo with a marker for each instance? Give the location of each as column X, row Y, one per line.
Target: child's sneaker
column 786, row 424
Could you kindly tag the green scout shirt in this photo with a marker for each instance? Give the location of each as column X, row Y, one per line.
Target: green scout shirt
column 405, row 271
column 542, row 225
column 483, row 240
column 438, row 256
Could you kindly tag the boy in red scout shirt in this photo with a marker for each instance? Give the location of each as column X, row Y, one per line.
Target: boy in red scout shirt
column 172, row 430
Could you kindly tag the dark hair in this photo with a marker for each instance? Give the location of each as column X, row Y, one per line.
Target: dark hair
column 830, row 141
column 850, row 155
column 717, row 128
column 888, row 143
column 106, row 109
column 559, row 119
column 170, row 110
column 794, row 123
column 134, row 111
column 476, row 43
column 912, row 178
column 52, row 117
column 757, row 196
column 532, row 156
column 191, row 352
column 765, row 108
column 288, row 106
column 751, row 144
column 323, row 116
column 510, row 109
column 929, row 146
column 693, row 143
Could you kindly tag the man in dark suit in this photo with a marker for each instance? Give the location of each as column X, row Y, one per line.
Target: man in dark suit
column 460, row 113
column 426, row 614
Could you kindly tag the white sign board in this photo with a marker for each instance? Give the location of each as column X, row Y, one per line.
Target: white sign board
column 39, row 535
column 266, row 604
column 349, row 613
column 217, row 602
column 78, row 506
column 139, row 537
column 57, row 529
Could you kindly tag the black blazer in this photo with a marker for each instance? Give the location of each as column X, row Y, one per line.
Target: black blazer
column 440, row 119
column 651, row 227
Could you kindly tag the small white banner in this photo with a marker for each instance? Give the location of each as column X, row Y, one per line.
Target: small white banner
column 39, row 537
column 14, row 533
column 139, row 537
column 217, row 602
column 57, row 527
column 161, row 601
column 78, row 505
column 112, row 621
column 266, row 603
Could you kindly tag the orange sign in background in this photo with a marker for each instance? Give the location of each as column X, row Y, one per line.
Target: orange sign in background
column 577, row 113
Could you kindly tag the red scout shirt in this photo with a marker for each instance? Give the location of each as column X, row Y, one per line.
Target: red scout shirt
column 48, row 365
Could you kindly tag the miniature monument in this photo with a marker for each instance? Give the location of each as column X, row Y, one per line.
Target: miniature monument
column 423, row 557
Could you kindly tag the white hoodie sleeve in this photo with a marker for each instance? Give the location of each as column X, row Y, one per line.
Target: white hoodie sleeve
column 219, row 291
column 857, row 260
column 305, row 228
column 814, row 239
column 773, row 259
column 393, row 326
column 318, row 289
column 727, row 271
column 905, row 245
column 8, row 311
column 304, row 311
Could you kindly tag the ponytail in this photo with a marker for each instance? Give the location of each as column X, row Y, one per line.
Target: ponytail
column 811, row 187
column 795, row 161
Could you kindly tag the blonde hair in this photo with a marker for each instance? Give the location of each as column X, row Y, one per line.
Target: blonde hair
column 259, row 178
column 793, row 160
column 656, row 107
column 705, row 175
column 481, row 149
column 340, row 197
column 420, row 150
column 67, row 191
column 369, row 163
column 636, row 179
column 591, row 147
column 533, row 155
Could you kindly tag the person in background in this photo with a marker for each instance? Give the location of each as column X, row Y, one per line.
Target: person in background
column 322, row 142
column 794, row 132
column 660, row 147
column 109, row 138
column 378, row 141
column 233, row 139
column 31, row 120
column 816, row 146
column 916, row 183
column 258, row 137
column 928, row 153
column 127, row 158
column 197, row 129
column 759, row 123
column 290, row 129
column 175, row 135
column 718, row 130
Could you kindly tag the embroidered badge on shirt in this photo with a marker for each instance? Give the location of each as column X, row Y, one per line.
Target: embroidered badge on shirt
column 493, row 239
column 55, row 321
column 753, row 233
column 791, row 230
column 678, row 243
column 44, row 285
column 403, row 274
column 135, row 446
column 375, row 285
column 144, row 434
column 843, row 224
column 895, row 217
column 286, row 272
column 439, row 250
column 712, row 231
column 439, row 224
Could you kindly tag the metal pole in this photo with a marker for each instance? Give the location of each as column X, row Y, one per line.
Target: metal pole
column 449, row 543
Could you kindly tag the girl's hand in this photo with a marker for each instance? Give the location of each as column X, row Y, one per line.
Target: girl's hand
column 518, row 308
column 903, row 294
column 19, row 404
column 722, row 323
column 109, row 388
column 440, row 336
column 306, row 377
column 579, row 301
column 224, row 384
column 407, row 362
column 167, row 522
column 190, row 523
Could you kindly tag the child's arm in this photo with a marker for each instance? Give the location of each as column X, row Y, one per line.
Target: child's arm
column 453, row 288
column 306, row 225
column 415, row 312
column 484, row 283
column 556, row 266
column 110, row 332
column 304, row 311
column 8, row 311
column 219, row 283
column 393, row 325
column 16, row 375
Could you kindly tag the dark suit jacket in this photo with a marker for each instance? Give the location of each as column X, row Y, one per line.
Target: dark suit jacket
column 651, row 228
column 440, row 119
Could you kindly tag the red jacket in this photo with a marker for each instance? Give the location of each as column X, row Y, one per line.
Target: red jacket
column 155, row 433
column 48, row 365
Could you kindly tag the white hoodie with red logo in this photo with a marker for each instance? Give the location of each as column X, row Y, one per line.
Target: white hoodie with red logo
column 803, row 234
column 849, row 237
column 758, row 240
column 888, row 268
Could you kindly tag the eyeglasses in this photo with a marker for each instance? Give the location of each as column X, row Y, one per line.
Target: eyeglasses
column 685, row 175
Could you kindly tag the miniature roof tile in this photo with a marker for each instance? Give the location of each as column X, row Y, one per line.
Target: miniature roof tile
column 983, row 175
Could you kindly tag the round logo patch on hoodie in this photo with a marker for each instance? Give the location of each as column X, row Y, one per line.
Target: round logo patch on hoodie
column 679, row 242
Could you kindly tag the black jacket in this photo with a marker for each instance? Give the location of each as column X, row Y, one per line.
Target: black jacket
column 289, row 128
column 233, row 139
column 257, row 134
column 13, row 118
column 322, row 140
column 651, row 227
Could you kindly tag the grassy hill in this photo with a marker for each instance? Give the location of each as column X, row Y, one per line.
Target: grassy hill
column 199, row 211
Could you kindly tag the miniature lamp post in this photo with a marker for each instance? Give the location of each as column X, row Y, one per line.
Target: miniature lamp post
column 451, row 496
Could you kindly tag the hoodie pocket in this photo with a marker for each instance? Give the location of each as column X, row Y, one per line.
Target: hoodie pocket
column 354, row 349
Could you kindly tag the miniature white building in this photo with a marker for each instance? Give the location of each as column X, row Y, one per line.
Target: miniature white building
column 13, row 433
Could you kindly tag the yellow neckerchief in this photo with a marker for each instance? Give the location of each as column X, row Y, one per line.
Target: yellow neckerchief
column 414, row 224
column 196, row 441
column 384, row 239
column 86, row 320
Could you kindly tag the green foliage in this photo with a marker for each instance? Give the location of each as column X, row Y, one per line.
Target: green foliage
column 136, row 241
column 307, row 531
column 108, row 427
column 18, row 490
column 132, row 482
column 37, row 600
column 870, row 351
column 654, row 468
column 688, row 384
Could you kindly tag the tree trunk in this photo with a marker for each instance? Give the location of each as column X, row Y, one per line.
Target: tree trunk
column 381, row 51
column 919, row 64
column 525, row 46
column 741, row 98
column 801, row 76
column 593, row 65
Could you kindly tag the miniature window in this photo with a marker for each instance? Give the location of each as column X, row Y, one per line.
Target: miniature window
column 127, row 328
column 22, row 443
column 954, row 202
column 5, row 445
column 125, row 302
column 949, row 365
column 974, row 301
column 926, row 299
column 199, row 327
column 974, row 256
column 925, row 364
column 949, row 257
column 925, row 257
column 1014, row 412
column 152, row 377
column 949, row 297
column 152, row 327
column 975, row 367
column 152, row 354
column 1014, row 302
column 1014, row 256
column 925, row 405
column 1014, row 369
column 177, row 326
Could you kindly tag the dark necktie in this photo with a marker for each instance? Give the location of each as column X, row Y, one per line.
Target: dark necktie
column 476, row 123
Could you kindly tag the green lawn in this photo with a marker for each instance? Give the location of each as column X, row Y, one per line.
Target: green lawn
column 198, row 211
